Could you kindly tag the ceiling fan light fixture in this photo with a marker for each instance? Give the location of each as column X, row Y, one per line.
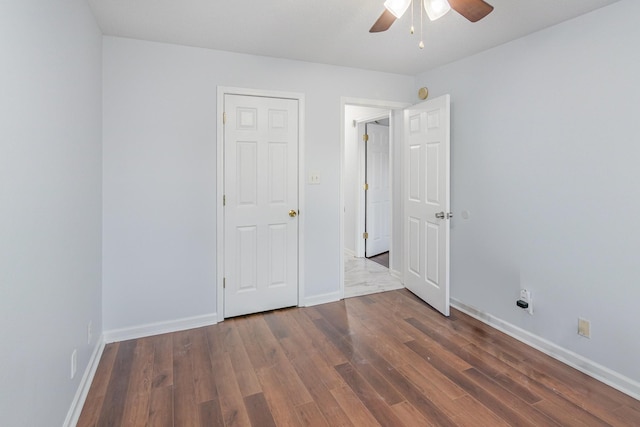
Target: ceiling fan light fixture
column 397, row 7
column 436, row 9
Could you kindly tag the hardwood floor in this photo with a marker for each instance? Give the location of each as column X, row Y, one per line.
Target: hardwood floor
column 385, row 359
column 382, row 259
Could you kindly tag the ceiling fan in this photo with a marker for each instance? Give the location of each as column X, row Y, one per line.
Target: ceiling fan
column 473, row 10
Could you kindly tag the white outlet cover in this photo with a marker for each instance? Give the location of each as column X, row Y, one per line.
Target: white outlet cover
column 314, row 178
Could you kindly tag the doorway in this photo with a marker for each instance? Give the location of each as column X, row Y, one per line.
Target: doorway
column 360, row 275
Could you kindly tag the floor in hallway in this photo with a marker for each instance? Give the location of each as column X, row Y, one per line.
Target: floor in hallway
column 363, row 276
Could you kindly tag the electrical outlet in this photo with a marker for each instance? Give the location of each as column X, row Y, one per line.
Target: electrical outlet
column 89, row 332
column 525, row 295
column 314, row 178
column 74, row 363
column 584, row 327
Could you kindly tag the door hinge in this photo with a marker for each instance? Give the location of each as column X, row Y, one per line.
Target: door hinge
column 365, row 137
column 365, row 235
column 224, row 200
column 224, row 117
column 365, row 187
column 224, row 282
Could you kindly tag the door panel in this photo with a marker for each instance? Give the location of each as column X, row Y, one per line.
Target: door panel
column 426, row 198
column 260, row 187
column 378, row 212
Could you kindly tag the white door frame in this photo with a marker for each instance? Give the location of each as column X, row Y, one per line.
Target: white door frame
column 222, row 91
column 361, row 102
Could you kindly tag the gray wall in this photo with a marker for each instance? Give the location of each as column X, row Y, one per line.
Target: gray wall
column 50, row 204
column 160, row 170
column 545, row 159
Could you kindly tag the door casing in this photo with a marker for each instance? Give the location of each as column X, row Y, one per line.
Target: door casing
column 362, row 102
column 221, row 92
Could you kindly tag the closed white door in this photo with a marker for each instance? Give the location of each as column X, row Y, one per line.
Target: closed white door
column 261, row 204
column 378, row 194
column 427, row 202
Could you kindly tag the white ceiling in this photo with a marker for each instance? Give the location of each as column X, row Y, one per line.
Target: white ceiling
column 330, row 31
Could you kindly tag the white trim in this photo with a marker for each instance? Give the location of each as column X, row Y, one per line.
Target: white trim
column 349, row 252
column 322, row 299
column 73, row 415
column 587, row 366
column 300, row 97
column 362, row 102
column 158, row 328
column 397, row 274
column 359, row 209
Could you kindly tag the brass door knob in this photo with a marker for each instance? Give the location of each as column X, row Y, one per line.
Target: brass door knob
column 292, row 213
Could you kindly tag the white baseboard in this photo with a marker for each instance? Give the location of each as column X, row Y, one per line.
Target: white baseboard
column 322, row 299
column 349, row 252
column 397, row 275
column 587, row 366
column 73, row 415
column 158, row 328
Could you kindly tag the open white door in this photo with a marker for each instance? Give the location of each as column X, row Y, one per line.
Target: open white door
column 261, row 207
column 378, row 194
column 427, row 204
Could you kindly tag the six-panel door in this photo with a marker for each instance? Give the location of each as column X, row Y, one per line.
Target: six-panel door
column 261, row 188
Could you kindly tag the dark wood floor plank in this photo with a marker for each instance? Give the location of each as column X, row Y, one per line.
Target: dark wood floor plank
column 553, row 404
column 473, row 414
column 366, row 360
column 568, row 415
column 506, row 397
column 319, row 378
column 474, row 390
column 383, row 359
column 93, row 404
column 163, row 360
column 627, row 416
column 210, row 414
column 245, row 374
column 161, row 407
column 408, row 415
column 203, row 375
column 429, row 379
column 259, row 412
column 381, row 320
column 136, row 410
column 522, row 390
column 278, row 397
column 331, row 354
column 310, row 415
column 420, row 398
column 116, row 395
column 353, row 407
column 309, row 361
column 287, row 376
column 185, row 407
column 232, row 405
column 372, row 400
column 252, row 330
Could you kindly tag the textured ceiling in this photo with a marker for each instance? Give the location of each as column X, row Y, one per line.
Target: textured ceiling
column 330, row 31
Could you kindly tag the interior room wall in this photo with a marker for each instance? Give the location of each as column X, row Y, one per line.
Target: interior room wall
column 545, row 161
column 160, row 171
column 50, row 205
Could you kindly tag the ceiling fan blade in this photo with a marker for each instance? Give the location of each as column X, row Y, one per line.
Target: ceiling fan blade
column 383, row 23
column 473, row 10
